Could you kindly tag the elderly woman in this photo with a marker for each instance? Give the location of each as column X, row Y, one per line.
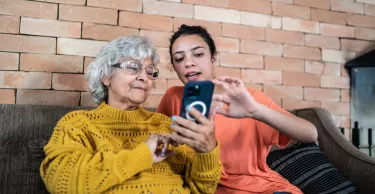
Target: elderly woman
column 120, row 147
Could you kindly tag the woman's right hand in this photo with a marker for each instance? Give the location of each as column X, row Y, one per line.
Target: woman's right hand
column 154, row 141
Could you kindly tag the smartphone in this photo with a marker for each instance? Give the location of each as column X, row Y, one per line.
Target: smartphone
column 197, row 94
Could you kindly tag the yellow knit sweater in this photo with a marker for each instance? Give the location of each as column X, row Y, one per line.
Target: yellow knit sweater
column 103, row 151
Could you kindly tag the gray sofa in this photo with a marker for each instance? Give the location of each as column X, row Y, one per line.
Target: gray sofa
column 25, row 129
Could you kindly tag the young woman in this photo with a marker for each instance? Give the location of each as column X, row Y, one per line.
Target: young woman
column 246, row 127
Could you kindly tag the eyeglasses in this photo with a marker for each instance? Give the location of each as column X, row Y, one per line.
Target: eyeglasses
column 134, row 67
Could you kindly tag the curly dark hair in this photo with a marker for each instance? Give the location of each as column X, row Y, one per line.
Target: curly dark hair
column 193, row 30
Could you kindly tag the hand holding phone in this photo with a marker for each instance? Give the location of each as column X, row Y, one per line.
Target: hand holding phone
column 195, row 125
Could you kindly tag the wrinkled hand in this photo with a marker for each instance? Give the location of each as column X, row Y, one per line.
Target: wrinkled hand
column 240, row 103
column 199, row 136
column 154, row 141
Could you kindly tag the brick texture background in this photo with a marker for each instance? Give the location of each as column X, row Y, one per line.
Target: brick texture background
column 294, row 50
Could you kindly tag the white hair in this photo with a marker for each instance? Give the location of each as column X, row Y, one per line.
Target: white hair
column 136, row 47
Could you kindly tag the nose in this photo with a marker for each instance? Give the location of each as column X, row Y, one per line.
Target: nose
column 142, row 75
column 189, row 62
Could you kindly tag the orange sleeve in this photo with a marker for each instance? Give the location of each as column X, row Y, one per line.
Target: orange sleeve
column 170, row 103
column 270, row 135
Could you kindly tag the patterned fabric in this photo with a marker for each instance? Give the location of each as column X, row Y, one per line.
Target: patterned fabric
column 305, row 166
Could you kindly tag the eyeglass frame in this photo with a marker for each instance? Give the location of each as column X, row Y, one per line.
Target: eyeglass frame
column 155, row 70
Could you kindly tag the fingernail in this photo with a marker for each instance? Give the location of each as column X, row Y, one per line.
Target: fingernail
column 162, row 154
column 188, row 108
column 174, row 118
column 172, row 125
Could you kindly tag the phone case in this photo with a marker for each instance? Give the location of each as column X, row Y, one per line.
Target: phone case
column 199, row 95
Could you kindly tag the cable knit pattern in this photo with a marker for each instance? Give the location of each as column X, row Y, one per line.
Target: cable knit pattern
column 103, row 151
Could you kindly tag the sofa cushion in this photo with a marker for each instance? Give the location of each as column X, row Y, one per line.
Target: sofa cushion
column 306, row 167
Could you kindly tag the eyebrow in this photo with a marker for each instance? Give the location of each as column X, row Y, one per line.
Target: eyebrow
column 193, row 49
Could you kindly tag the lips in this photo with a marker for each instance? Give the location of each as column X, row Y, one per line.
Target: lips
column 192, row 76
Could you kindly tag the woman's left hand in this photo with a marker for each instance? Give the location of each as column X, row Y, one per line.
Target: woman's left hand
column 235, row 95
column 199, row 136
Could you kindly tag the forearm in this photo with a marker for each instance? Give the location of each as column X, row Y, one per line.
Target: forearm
column 204, row 173
column 294, row 127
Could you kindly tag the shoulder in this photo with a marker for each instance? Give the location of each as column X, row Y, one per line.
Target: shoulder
column 77, row 116
column 175, row 90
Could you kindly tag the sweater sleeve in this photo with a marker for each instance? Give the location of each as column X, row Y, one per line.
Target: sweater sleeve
column 203, row 170
column 77, row 163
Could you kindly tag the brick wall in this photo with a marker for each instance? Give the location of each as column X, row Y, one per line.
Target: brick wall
column 292, row 49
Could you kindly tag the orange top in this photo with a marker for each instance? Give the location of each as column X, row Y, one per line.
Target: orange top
column 245, row 144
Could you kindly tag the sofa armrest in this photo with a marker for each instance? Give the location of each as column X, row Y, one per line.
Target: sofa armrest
column 355, row 165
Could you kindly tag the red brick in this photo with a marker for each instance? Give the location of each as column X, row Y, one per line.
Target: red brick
column 79, row 47
column 337, row 30
column 254, row 86
column 280, row 36
column 345, row 121
column 225, row 71
column 105, row 32
column 168, row 8
column 260, row 20
column 29, row 9
column 288, row 10
column 9, row 24
column 366, row 1
column 244, row 32
column 224, row 44
column 320, row 94
column 54, row 28
column 335, row 82
column 153, row 101
column 370, row 9
column 7, row 96
column 299, row 104
column 323, row 4
column 261, row 76
column 51, row 63
column 74, row 2
column 283, row 92
column 301, row 52
column 364, row 33
column 32, row 44
column 129, row 5
column 283, row 64
column 344, row 71
column 159, row 87
column 241, row 60
column 347, row 6
column 322, row 41
column 69, row 82
column 9, row 61
column 48, row 97
column 337, row 107
column 300, row 79
column 174, row 82
column 29, row 80
column 217, row 14
column 86, row 100
column 355, row 45
column 321, row 68
column 165, row 67
column 214, row 28
column 146, row 21
column 337, row 56
column 160, row 39
column 257, row 6
column 87, row 62
column 87, row 14
column 299, row 25
column 328, row 16
column 361, row 20
column 261, row 48
column 345, row 95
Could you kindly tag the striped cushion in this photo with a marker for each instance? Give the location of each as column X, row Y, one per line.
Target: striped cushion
column 306, row 167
